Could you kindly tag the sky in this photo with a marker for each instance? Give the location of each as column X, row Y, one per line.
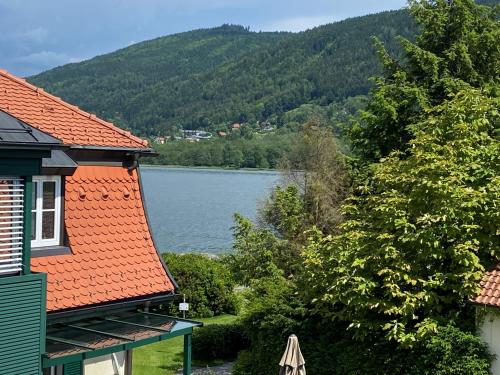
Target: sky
column 37, row 35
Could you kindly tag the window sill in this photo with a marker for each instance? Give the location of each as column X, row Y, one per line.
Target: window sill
column 37, row 252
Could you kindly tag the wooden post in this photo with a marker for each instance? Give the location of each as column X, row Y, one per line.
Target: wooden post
column 186, row 369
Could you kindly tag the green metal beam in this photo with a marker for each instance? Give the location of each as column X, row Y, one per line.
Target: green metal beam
column 70, row 342
column 194, row 322
column 102, row 333
column 48, row 362
column 186, row 368
column 137, row 325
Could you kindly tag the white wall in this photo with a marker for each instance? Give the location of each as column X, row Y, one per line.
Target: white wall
column 489, row 330
column 112, row 364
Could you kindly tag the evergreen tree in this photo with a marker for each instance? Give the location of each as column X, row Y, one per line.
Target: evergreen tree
column 458, row 48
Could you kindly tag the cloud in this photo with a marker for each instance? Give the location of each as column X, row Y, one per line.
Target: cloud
column 37, row 35
column 297, row 23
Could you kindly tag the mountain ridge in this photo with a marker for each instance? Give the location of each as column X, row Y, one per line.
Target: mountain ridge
column 207, row 77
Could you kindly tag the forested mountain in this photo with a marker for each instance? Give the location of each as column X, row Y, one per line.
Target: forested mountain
column 204, row 78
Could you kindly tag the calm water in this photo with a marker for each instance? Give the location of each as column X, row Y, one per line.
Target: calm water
column 192, row 209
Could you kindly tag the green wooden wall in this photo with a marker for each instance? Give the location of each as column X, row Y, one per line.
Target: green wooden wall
column 22, row 324
column 74, row 368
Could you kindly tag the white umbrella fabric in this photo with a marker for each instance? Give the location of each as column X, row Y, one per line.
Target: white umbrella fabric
column 292, row 362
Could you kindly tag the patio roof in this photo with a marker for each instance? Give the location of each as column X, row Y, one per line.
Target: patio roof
column 94, row 337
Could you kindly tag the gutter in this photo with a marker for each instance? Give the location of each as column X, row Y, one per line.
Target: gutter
column 130, row 150
column 96, row 310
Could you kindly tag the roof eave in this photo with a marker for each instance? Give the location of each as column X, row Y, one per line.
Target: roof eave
column 97, row 309
column 131, row 150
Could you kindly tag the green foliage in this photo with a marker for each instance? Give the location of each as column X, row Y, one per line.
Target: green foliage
column 454, row 352
column 254, row 252
column 328, row 350
column 316, row 164
column 219, row 341
column 415, row 239
column 204, row 78
column 258, row 152
column 456, row 49
column 206, row 282
column 274, row 312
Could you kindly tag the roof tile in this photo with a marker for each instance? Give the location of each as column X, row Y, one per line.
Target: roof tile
column 62, row 120
column 490, row 288
column 110, row 255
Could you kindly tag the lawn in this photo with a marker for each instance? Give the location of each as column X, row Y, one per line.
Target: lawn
column 165, row 358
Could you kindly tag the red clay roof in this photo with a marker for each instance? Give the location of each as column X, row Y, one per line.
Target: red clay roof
column 113, row 255
column 490, row 288
column 62, row 120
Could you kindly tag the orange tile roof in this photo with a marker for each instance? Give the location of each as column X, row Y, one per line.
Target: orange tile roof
column 490, row 288
column 62, row 120
column 113, row 255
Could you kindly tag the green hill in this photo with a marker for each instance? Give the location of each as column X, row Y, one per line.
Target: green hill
column 208, row 77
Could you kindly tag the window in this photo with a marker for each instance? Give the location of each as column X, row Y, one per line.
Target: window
column 46, row 211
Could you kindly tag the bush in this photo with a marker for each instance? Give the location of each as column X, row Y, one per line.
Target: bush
column 454, row 352
column 275, row 311
column 206, row 282
column 219, row 341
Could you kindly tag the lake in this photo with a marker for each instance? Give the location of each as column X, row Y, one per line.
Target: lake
column 192, row 209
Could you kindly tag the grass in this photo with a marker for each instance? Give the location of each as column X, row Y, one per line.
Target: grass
column 165, row 358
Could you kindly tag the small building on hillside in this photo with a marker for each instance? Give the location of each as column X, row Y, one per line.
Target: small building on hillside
column 236, row 126
column 488, row 314
column 221, row 133
column 80, row 275
column 160, row 140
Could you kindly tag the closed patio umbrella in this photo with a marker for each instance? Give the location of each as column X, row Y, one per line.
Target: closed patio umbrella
column 292, row 362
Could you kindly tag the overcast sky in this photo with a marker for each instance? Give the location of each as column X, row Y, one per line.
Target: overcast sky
column 40, row 34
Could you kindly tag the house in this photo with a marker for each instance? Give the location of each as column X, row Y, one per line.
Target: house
column 236, row 126
column 160, row 140
column 221, row 133
column 196, row 135
column 488, row 314
column 80, row 276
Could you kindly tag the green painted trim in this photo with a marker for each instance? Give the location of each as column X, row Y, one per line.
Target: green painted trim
column 48, row 362
column 20, row 153
column 23, row 278
column 43, row 315
column 194, row 322
column 28, row 189
column 73, row 368
column 20, row 167
column 29, row 321
column 187, row 360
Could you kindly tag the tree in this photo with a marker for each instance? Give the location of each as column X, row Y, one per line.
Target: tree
column 417, row 237
column 317, row 166
column 456, row 49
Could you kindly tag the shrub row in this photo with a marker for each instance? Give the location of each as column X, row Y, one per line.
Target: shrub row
column 219, row 341
column 206, row 282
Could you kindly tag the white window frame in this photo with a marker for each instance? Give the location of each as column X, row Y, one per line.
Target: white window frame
column 38, row 241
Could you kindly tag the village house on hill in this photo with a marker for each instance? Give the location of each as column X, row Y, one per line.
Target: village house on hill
column 80, row 275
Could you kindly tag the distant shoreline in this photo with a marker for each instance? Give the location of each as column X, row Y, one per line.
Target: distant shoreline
column 208, row 167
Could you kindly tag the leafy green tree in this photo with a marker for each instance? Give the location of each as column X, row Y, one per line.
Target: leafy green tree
column 417, row 237
column 456, row 49
column 254, row 252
